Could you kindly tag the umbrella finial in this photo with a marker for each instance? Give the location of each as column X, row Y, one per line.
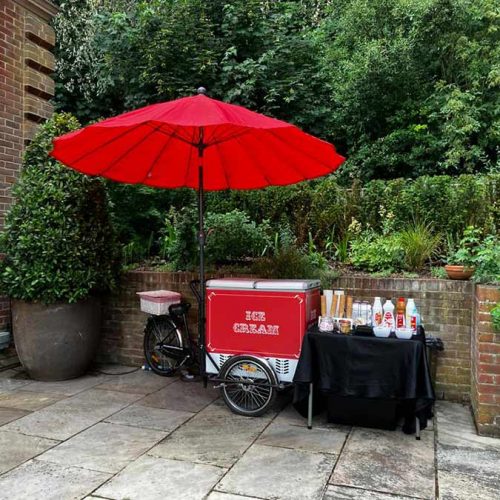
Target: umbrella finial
column 201, row 91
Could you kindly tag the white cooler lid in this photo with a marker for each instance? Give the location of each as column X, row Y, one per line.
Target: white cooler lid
column 232, row 283
column 286, row 284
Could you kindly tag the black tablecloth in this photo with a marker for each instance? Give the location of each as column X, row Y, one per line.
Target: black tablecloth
column 365, row 377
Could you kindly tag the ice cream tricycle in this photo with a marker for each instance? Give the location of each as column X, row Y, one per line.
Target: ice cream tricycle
column 254, row 332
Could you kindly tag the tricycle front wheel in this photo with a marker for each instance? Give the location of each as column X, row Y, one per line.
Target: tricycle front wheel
column 249, row 385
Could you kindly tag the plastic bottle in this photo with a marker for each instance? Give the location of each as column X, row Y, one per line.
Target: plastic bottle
column 415, row 319
column 400, row 313
column 378, row 314
column 389, row 314
column 410, row 305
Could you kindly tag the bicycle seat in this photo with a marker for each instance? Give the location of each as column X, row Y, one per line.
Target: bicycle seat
column 179, row 309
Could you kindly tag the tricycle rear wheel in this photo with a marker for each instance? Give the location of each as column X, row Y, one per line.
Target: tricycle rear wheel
column 161, row 334
column 249, row 385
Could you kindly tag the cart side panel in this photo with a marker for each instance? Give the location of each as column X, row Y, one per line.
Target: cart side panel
column 264, row 323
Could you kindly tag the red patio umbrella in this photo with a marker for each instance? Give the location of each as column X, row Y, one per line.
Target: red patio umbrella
column 201, row 143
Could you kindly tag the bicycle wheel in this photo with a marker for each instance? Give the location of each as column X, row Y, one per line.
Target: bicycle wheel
column 248, row 387
column 162, row 341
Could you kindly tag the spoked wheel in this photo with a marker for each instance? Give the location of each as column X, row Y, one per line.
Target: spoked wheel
column 163, row 347
column 248, row 387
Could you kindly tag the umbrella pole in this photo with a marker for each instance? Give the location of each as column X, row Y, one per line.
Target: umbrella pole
column 201, row 241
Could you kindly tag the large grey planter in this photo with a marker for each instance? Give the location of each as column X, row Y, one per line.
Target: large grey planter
column 57, row 341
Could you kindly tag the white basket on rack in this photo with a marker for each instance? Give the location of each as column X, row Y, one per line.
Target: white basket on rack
column 157, row 302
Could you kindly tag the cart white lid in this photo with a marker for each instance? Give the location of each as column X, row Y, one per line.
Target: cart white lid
column 286, row 284
column 232, row 283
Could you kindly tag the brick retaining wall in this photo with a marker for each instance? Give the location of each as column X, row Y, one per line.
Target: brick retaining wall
column 485, row 393
column 445, row 306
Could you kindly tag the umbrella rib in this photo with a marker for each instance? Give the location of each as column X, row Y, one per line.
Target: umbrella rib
column 223, row 169
column 119, row 136
column 158, row 156
column 230, row 137
column 186, row 177
column 174, row 135
column 135, row 145
column 251, row 154
column 307, row 155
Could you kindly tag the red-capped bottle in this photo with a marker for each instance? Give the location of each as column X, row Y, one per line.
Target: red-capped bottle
column 400, row 313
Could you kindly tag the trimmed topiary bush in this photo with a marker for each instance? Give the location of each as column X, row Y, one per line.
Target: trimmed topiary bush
column 58, row 238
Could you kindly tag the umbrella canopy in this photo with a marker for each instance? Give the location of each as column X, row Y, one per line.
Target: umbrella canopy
column 201, row 143
column 154, row 146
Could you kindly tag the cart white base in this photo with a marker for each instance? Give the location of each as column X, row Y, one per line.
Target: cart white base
column 284, row 368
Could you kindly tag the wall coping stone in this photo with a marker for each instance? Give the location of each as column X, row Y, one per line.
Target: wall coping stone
column 42, row 8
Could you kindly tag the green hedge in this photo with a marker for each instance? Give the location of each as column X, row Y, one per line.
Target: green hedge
column 326, row 209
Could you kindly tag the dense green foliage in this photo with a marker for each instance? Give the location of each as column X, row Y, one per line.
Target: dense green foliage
column 327, row 210
column 58, row 239
column 233, row 236
column 323, row 218
column 406, row 89
column 402, row 87
column 495, row 316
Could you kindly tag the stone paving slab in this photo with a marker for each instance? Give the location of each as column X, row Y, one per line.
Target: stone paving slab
column 104, row 447
column 214, row 436
column 454, row 485
column 9, row 414
column 387, row 461
column 72, row 415
column 456, row 427
column 345, row 493
column 289, row 415
column 42, row 480
column 302, row 438
column 269, row 473
column 218, row 495
column 150, row 418
column 17, row 448
column 461, row 452
column 182, row 396
column 154, row 478
column 65, row 387
column 26, row 400
column 11, row 380
column 137, row 382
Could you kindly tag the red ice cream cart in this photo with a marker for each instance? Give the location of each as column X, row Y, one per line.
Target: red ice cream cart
column 254, row 332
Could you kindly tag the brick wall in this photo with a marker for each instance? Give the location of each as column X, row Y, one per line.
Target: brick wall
column 485, row 393
column 123, row 322
column 26, row 62
column 445, row 307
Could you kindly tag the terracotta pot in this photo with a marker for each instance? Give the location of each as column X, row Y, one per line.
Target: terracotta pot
column 56, row 341
column 459, row 272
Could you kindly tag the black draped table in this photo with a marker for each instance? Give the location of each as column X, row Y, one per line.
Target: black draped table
column 364, row 380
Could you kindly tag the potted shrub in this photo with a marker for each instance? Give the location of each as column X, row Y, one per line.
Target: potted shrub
column 461, row 263
column 60, row 256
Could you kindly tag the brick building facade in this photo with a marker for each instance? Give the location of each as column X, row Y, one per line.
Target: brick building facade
column 26, row 87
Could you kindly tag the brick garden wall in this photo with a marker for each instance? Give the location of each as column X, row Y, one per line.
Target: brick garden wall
column 485, row 393
column 26, row 62
column 445, row 306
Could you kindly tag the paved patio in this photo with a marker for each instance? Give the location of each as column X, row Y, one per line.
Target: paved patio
column 140, row 436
